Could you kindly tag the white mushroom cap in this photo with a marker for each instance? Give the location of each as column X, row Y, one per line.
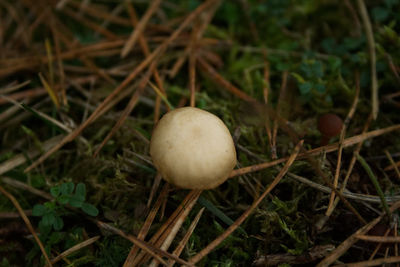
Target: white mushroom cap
column 192, row 149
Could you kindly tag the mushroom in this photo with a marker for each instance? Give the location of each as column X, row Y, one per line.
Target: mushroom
column 329, row 125
column 192, row 149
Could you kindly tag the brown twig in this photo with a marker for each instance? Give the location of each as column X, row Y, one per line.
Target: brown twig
column 117, row 90
column 379, row 245
column 146, row 226
column 379, row 239
column 130, row 43
column 192, row 79
column 75, row 248
column 201, row 254
column 266, row 91
column 158, row 238
column 328, row 148
column 128, row 109
column 90, row 24
column 282, row 94
column 178, row 250
column 393, row 164
column 99, row 13
column 153, row 251
column 220, row 80
column 349, row 116
column 376, row 262
column 349, row 171
column 146, row 51
column 25, row 94
column 345, row 245
column 27, row 222
column 167, row 240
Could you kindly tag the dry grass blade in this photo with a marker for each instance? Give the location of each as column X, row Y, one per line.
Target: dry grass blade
column 350, row 168
column 349, row 242
column 24, row 186
column 153, row 251
column 27, row 222
column 178, row 250
column 117, row 90
column 167, row 240
column 372, row 54
column 282, row 94
column 192, row 79
column 220, row 80
column 266, row 90
column 146, row 226
column 90, row 24
column 20, row 159
column 376, row 262
column 347, row 194
column 396, row 247
column 146, row 51
column 328, row 148
column 243, row 217
column 154, row 188
column 14, row 215
column 395, row 167
column 379, row 239
column 59, row 64
column 38, row 113
column 378, row 246
column 75, row 248
column 166, row 228
column 31, row 93
column 391, row 167
column 128, row 109
column 195, row 39
column 99, row 13
column 349, row 116
column 12, row 88
column 139, row 28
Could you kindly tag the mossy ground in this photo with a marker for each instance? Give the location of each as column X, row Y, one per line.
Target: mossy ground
column 316, row 49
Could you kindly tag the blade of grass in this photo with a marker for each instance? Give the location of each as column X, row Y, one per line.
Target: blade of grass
column 50, row 61
column 372, row 54
column 201, row 254
column 160, row 94
column 375, row 182
column 219, row 213
column 49, row 90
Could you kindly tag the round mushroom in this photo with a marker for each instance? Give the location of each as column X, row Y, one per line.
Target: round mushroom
column 192, row 149
column 329, row 125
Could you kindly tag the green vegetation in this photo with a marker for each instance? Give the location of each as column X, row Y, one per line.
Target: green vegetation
column 261, row 66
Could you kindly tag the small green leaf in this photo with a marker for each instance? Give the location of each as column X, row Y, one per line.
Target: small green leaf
column 48, row 219
column 67, row 188
column 90, row 209
column 305, row 88
column 38, row 210
column 63, row 199
column 55, row 191
column 80, row 191
column 75, row 201
column 320, row 88
column 58, row 223
column 298, row 77
column 44, row 229
column 380, row 14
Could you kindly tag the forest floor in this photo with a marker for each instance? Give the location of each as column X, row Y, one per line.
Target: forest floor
column 83, row 83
